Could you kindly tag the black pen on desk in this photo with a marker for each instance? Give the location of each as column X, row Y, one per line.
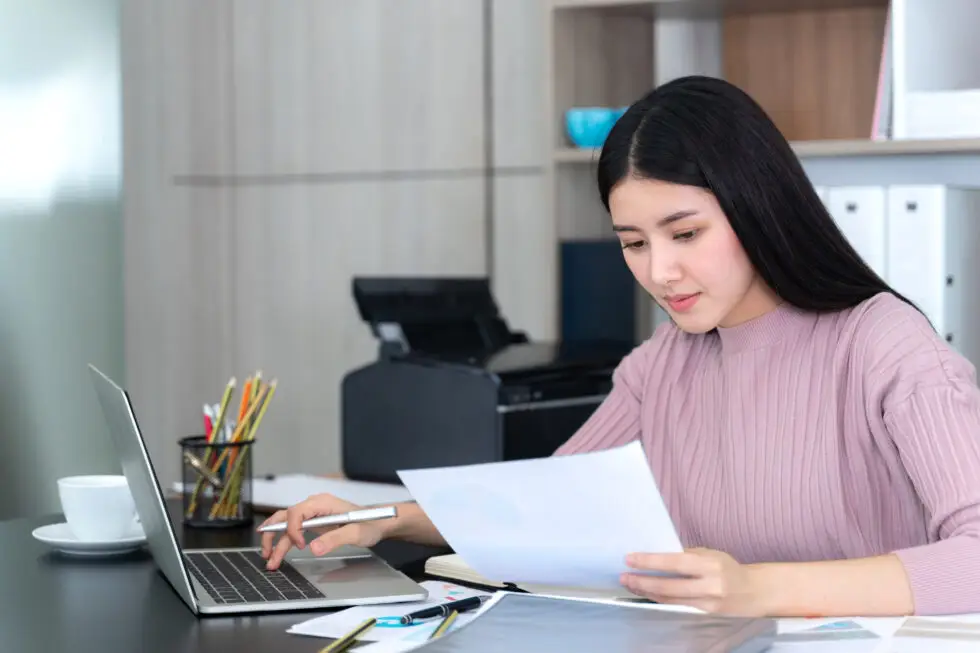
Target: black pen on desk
column 463, row 605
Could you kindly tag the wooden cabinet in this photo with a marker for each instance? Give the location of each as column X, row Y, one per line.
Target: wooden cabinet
column 189, row 71
column 328, row 87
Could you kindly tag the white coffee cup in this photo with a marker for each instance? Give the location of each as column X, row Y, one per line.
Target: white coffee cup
column 99, row 507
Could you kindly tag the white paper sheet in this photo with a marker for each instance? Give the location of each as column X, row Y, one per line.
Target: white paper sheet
column 289, row 489
column 563, row 520
column 950, row 634
column 880, row 626
column 338, row 624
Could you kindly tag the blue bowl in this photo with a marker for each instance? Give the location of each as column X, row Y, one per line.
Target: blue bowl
column 589, row 126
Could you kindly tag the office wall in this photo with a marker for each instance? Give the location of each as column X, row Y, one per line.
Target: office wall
column 273, row 151
column 60, row 243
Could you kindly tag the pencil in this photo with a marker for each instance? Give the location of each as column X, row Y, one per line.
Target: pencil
column 226, row 503
column 223, row 410
column 243, row 424
column 209, row 452
column 270, row 390
column 349, row 639
column 256, row 386
column 248, row 408
column 447, row 621
column 246, row 398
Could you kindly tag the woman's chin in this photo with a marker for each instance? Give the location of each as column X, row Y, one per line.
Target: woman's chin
column 695, row 322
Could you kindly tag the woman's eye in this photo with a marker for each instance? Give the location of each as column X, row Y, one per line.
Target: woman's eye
column 634, row 245
column 686, row 235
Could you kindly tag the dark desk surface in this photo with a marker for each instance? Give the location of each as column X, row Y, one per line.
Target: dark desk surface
column 52, row 602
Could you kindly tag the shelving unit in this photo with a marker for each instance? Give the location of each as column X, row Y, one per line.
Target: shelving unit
column 828, row 148
column 813, row 65
column 935, row 79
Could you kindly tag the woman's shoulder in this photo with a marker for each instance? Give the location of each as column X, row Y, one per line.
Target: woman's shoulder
column 898, row 348
column 885, row 322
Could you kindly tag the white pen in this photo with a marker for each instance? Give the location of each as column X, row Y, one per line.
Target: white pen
column 368, row 514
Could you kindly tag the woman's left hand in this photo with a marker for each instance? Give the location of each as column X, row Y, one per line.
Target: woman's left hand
column 712, row 581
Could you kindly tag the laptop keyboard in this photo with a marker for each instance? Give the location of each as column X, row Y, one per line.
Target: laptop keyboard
column 241, row 577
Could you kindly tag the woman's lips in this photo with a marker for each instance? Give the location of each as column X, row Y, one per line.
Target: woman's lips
column 681, row 303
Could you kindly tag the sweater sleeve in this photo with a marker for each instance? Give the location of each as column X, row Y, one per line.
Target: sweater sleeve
column 936, row 430
column 617, row 419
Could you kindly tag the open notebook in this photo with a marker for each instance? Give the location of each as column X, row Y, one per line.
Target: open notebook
column 452, row 567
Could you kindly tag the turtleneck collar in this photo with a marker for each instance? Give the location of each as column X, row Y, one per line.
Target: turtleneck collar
column 771, row 327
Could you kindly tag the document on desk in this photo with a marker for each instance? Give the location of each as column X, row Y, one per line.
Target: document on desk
column 389, row 627
column 564, row 520
column 948, row 634
column 289, row 489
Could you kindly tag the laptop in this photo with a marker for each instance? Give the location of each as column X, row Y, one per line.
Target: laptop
column 235, row 580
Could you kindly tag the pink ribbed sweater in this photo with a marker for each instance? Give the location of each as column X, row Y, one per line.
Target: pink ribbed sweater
column 798, row 436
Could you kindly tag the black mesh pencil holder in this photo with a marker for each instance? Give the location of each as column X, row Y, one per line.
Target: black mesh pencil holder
column 217, row 482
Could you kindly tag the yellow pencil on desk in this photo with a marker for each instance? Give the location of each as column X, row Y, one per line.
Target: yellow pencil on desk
column 350, row 638
column 444, row 626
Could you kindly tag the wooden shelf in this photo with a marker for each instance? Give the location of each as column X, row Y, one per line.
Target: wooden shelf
column 810, row 149
column 813, row 65
column 701, row 8
column 576, row 155
column 828, row 148
column 603, row 4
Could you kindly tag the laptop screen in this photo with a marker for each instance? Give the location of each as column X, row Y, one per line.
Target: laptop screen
column 138, row 469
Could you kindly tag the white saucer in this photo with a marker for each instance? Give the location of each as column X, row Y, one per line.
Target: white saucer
column 62, row 539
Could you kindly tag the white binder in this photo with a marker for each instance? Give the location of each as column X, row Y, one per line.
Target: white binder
column 860, row 213
column 821, row 193
column 933, row 257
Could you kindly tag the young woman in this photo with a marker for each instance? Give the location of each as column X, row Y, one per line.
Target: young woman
column 816, row 442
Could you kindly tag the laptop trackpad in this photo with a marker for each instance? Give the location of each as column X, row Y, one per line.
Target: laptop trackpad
column 359, row 574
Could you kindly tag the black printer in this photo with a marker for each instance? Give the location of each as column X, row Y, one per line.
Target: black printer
column 453, row 385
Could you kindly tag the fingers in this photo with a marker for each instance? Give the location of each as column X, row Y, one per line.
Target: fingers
column 279, row 552
column 349, row 534
column 686, row 578
column 314, row 506
column 294, row 522
column 269, row 538
column 667, row 590
column 334, row 539
column 691, row 564
column 293, row 536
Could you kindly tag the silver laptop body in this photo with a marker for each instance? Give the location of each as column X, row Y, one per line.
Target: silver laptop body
column 234, row 580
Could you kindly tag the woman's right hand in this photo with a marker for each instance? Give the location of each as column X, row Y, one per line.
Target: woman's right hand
column 363, row 534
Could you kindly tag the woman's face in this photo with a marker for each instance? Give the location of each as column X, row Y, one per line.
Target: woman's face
column 680, row 247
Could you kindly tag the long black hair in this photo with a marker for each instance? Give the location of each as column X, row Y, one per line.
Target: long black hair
column 705, row 132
